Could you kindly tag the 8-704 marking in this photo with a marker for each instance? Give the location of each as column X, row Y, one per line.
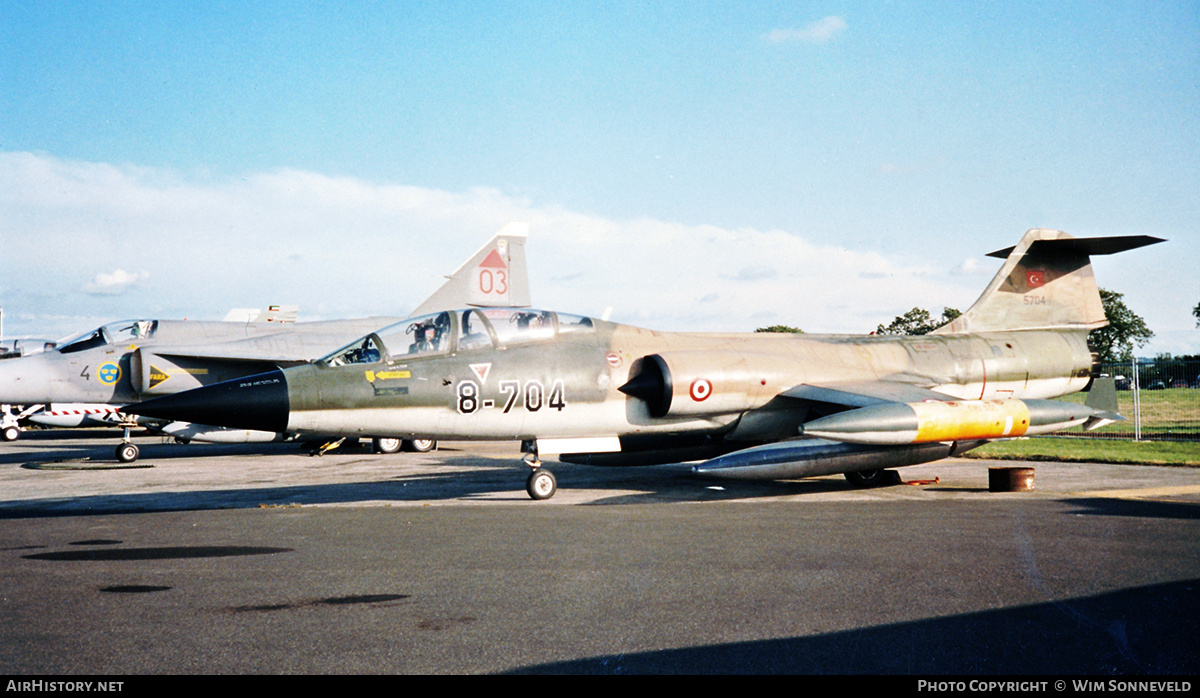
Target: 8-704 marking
column 534, row 396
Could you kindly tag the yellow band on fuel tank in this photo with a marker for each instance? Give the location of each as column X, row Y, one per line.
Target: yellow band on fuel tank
column 970, row 419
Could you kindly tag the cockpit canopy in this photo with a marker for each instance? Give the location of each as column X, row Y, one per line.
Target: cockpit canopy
column 113, row 333
column 456, row 332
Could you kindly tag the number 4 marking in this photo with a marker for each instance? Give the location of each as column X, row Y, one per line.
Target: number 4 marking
column 557, row 401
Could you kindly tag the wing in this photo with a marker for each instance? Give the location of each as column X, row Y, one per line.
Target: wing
column 862, row 394
column 851, row 427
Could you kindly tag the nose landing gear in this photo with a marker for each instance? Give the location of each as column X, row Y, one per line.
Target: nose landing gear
column 127, row 451
column 541, row 483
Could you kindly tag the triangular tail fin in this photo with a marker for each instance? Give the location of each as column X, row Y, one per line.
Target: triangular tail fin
column 1046, row 282
column 495, row 276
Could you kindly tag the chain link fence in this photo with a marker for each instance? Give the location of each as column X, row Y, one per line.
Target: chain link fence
column 1160, row 401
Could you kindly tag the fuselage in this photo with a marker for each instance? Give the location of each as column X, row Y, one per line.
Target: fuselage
column 123, row 362
column 567, row 384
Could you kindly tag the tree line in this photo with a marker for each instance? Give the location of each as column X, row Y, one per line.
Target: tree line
column 1125, row 332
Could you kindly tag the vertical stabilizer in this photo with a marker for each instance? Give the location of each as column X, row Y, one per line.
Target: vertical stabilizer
column 495, row 276
column 1046, row 282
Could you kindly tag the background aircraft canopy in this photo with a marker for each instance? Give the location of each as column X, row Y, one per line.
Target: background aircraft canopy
column 113, row 333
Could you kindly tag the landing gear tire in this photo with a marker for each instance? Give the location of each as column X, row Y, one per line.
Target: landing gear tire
column 864, row 479
column 387, row 445
column 127, row 453
column 10, row 433
column 541, row 484
column 420, row 445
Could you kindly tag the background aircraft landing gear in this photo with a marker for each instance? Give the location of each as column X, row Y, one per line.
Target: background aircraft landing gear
column 127, row 451
column 879, row 477
column 391, row 445
column 11, row 433
column 420, row 445
column 541, row 484
column 386, row 445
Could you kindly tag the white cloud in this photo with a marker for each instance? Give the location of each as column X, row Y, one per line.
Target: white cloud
column 114, row 283
column 345, row 247
column 972, row 266
column 818, row 32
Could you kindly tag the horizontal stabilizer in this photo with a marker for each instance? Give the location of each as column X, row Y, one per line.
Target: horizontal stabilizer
column 1088, row 246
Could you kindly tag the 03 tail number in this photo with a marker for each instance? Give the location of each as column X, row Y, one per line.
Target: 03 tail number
column 493, row 282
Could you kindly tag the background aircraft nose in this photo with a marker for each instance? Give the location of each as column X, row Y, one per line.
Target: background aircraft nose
column 257, row 402
column 30, row 380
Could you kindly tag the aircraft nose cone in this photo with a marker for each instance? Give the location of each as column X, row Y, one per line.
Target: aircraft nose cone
column 257, row 402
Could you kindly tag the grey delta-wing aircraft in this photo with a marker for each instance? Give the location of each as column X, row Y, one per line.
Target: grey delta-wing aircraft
column 750, row 406
column 85, row 379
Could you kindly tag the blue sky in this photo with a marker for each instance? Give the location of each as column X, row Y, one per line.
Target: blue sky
column 690, row 165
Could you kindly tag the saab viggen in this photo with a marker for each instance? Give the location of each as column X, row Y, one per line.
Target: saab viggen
column 761, row 405
column 123, row 362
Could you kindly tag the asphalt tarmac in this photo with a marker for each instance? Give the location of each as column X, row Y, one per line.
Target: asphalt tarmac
column 218, row 559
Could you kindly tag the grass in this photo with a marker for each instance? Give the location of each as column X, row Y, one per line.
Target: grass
column 1083, row 450
column 1171, row 413
column 1166, row 414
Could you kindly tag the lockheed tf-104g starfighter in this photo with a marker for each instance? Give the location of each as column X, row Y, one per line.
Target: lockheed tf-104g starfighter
column 760, row 405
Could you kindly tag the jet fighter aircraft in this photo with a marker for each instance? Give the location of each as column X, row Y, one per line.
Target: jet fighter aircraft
column 127, row 361
column 753, row 405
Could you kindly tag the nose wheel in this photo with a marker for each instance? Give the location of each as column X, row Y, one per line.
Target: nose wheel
column 127, row 451
column 541, row 483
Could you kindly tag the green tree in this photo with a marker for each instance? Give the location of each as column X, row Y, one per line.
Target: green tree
column 781, row 328
column 1196, row 313
column 917, row 321
column 1126, row 330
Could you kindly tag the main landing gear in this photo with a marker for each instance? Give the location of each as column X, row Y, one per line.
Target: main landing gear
column 541, row 483
column 379, row 445
column 394, row 445
column 866, row 479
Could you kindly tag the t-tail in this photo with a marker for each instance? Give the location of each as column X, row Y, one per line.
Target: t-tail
column 1046, row 283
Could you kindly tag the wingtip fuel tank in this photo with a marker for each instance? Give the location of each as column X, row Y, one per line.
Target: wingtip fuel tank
column 900, row 424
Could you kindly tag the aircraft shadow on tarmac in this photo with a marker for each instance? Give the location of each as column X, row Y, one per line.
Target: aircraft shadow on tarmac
column 98, row 445
column 1119, row 633
column 456, row 476
column 1137, row 508
column 465, row 478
